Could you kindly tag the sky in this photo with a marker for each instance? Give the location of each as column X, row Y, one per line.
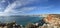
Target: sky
column 25, row 7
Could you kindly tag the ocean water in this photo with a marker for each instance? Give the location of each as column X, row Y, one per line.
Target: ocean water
column 21, row 20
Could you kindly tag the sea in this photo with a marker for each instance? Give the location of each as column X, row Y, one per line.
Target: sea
column 21, row 20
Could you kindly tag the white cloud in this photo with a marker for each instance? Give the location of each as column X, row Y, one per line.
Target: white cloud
column 46, row 7
column 10, row 7
column 23, row 10
column 3, row 14
column 43, row 0
column 0, row 8
column 2, row 1
column 27, row 9
column 18, row 3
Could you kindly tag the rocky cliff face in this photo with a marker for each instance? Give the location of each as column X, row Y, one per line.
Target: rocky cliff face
column 53, row 19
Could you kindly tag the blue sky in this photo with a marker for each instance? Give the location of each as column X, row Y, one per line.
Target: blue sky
column 24, row 7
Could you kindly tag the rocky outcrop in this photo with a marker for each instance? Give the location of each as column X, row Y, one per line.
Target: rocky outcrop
column 53, row 20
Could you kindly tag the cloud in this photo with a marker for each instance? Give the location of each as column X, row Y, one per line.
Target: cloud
column 46, row 7
column 27, row 9
column 43, row 1
column 10, row 8
column 0, row 8
column 2, row 1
